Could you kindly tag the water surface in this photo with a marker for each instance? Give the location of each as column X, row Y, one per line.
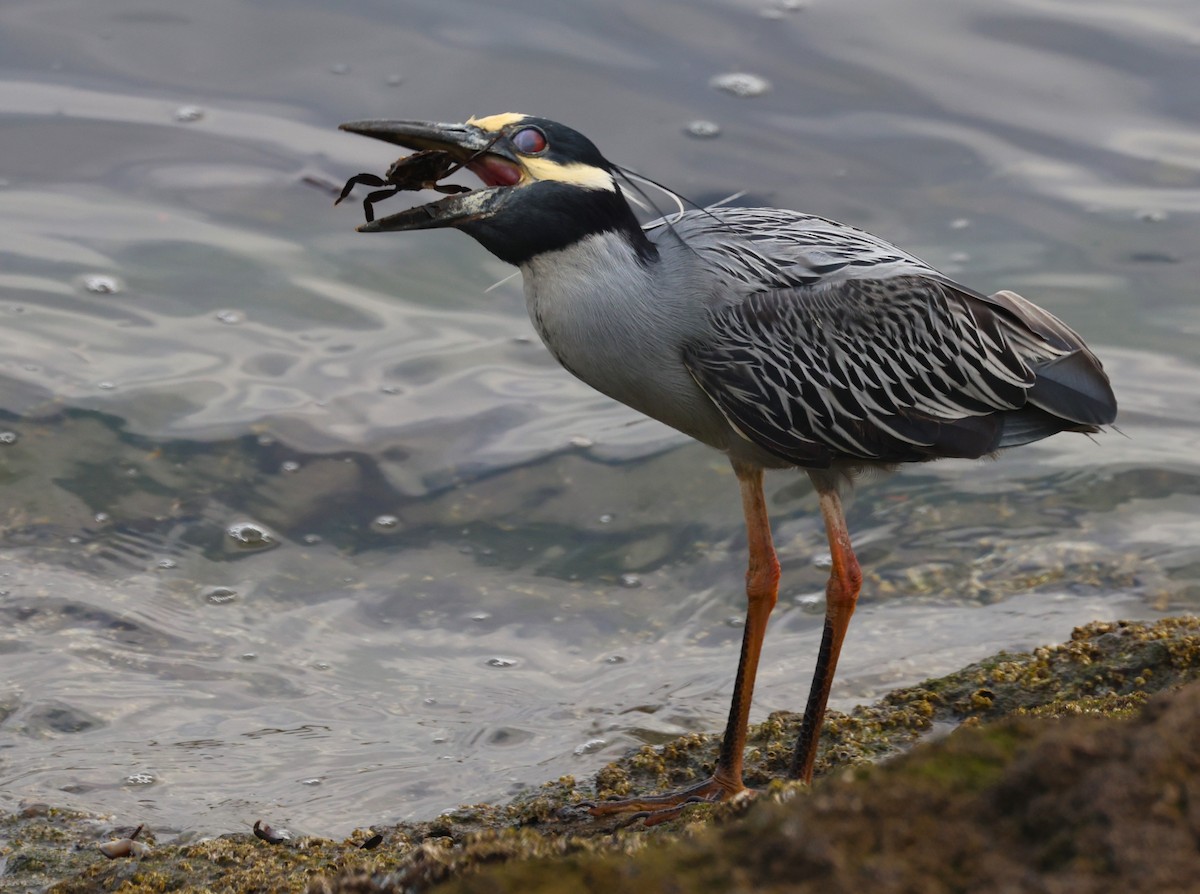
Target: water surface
column 458, row 571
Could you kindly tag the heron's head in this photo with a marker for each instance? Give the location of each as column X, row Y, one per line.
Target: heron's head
column 545, row 186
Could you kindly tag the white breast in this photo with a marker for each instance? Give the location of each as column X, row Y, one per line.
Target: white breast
column 606, row 318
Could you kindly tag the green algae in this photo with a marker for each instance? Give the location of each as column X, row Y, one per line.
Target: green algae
column 1085, row 805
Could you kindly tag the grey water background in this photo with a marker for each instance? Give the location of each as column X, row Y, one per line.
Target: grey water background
column 457, row 571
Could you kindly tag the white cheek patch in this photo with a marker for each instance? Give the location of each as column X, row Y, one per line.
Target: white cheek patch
column 576, row 174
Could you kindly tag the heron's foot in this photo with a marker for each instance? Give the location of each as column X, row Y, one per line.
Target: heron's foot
column 655, row 809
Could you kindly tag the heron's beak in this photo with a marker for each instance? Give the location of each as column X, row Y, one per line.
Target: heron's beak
column 484, row 153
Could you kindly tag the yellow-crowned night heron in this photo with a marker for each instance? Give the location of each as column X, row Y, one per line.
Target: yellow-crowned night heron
column 779, row 338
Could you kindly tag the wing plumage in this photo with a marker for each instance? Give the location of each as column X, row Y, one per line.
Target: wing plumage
column 842, row 347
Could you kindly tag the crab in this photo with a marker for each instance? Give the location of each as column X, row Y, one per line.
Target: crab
column 421, row 170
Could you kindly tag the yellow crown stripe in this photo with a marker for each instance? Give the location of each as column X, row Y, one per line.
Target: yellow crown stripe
column 495, row 123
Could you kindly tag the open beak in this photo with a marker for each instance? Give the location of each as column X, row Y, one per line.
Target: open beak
column 480, row 151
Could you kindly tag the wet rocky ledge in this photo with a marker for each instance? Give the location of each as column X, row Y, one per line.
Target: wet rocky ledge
column 1073, row 768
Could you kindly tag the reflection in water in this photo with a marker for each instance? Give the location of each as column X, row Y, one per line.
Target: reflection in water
column 484, row 575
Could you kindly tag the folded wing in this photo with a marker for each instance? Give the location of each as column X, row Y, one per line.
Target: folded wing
column 897, row 369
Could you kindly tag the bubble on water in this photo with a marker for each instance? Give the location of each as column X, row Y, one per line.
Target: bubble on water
column 250, row 535
column 321, row 665
column 8, row 437
column 266, row 441
column 701, row 129
column 615, row 659
column 606, row 519
column 580, row 441
column 811, row 603
column 630, row 581
column 390, row 389
column 230, row 317
column 735, row 621
column 782, row 8
column 140, row 779
column 1151, row 216
column 289, row 466
column 500, row 661
column 101, row 284
column 591, row 746
column 101, row 518
column 221, row 595
column 429, row 700
column 312, row 539
column 167, row 564
column 481, row 616
column 249, row 656
column 823, row 561
column 315, row 780
column 106, row 386
column 385, row 524
column 960, row 223
column 188, row 114
column 741, row 83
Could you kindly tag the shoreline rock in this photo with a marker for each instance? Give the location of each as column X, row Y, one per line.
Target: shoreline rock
column 1060, row 775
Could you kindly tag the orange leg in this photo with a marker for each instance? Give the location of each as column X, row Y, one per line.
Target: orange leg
column 762, row 588
column 845, row 580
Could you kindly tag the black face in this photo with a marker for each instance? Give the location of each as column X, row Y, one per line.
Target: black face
column 550, row 216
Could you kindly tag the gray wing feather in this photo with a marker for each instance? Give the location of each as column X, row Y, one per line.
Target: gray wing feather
column 1073, row 386
column 895, row 368
column 774, row 248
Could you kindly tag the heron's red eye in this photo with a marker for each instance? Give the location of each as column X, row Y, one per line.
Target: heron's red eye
column 529, row 140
